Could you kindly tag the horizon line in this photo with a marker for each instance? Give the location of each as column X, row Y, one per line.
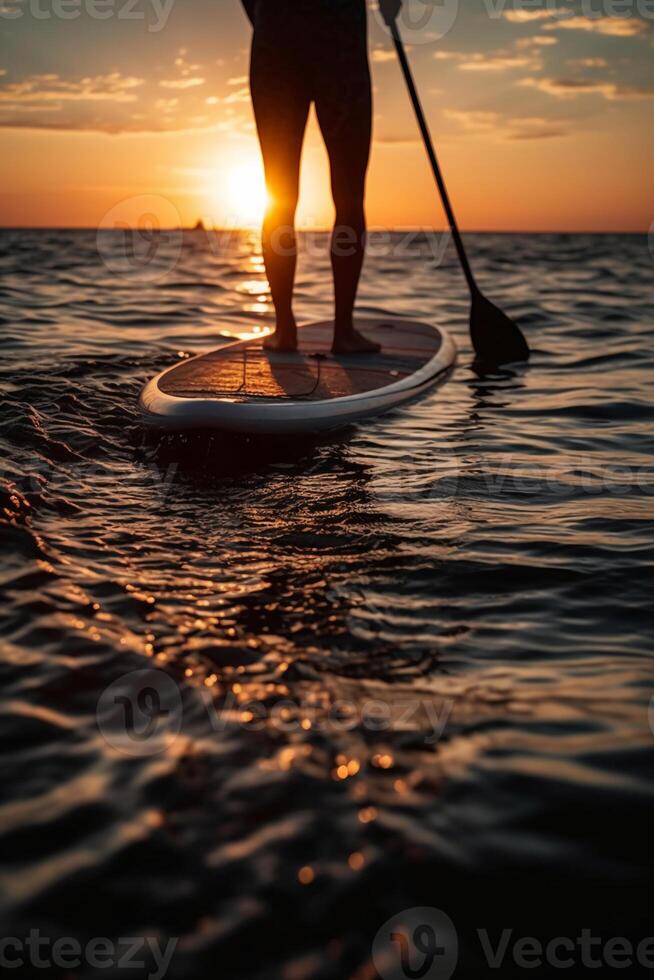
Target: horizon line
column 323, row 229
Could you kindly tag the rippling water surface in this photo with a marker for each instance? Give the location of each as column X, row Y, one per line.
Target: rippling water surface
column 409, row 665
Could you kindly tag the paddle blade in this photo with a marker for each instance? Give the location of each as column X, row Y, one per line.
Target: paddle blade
column 495, row 337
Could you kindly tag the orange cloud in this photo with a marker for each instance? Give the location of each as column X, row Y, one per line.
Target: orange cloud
column 612, row 26
column 571, row 87
column 509, row 128
column 502, row 60
column 113, row 87
column 182, row 83
column 525, row 16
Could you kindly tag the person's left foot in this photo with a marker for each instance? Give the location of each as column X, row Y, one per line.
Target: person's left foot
column 354, row 342
column 282, row 342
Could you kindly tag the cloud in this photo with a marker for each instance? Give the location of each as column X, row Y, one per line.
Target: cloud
column 187, row 74
column 474, row 120
column 182, row 83
column 137, row 123
column 526, row 16
column 110, row 103
column 509, row 128
column 177, row 97
column 395, row 140
column 496, row 62
column 538, row 41
column 563, row 19
column 166, row 105
column 241, row 95
column 526, row 52
column 185, row 67
column 114, row 87
column 380, row 55
column 502, row 60
column 572, row 87
column 21, row 107
column 589, row 63
column 536, row 128
column 612, row 26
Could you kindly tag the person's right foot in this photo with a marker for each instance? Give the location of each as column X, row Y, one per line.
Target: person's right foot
column 353, row 342
column 281, row 341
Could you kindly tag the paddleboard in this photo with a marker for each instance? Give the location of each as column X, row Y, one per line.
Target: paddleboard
column 244, row 388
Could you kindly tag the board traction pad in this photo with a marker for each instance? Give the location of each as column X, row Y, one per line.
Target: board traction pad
column 313, row 373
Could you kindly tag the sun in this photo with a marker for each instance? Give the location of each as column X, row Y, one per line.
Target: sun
column 245, row 194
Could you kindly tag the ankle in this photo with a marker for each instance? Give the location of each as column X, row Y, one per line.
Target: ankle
column 286, row 326
column 343, row 327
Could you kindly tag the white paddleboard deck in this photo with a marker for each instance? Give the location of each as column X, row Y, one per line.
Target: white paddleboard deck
column 244, row 388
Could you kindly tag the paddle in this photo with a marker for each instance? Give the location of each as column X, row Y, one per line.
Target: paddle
column 495, row 337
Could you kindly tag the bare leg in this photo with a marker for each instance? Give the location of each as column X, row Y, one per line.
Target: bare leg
column 344, row 109
column 347, row 254
column 280, row 258
column 281, row 106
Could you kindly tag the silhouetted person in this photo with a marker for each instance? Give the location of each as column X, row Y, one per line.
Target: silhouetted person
column 306, row 51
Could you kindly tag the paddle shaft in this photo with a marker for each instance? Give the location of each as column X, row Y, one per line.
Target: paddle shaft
column 433, row 159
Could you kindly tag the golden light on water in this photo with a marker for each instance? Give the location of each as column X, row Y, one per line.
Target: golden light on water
column 306, row 875
column 356, row 861
column 367, row 814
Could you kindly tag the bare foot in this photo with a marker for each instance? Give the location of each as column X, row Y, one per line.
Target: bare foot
column 283, row 342
column 354, row 342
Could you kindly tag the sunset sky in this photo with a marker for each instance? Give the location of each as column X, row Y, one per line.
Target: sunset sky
column 542, row 116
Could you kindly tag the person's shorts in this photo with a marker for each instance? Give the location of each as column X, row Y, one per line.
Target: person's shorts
column 306, row 51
